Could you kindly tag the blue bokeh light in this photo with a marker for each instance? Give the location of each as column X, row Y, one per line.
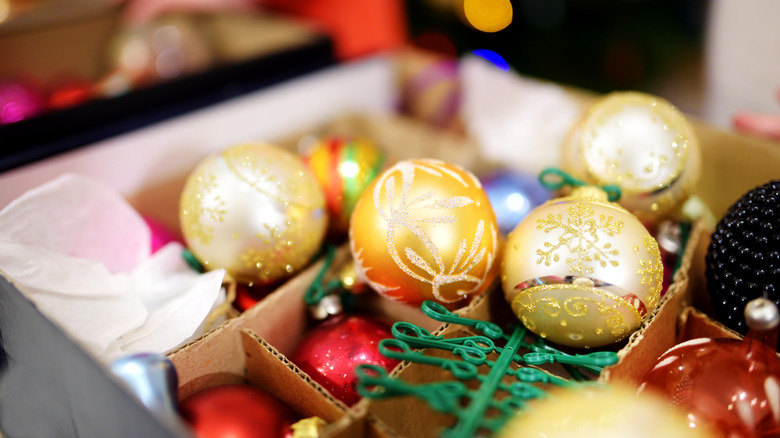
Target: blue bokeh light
column 492, row 57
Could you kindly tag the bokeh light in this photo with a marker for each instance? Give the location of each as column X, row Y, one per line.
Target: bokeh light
column 488, row 15
column 492, row 57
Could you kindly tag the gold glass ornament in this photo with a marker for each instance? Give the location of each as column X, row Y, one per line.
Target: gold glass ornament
column 424, row 230
column 582, row 271
column 254, row 210
column 600, row 411
column 643, row 145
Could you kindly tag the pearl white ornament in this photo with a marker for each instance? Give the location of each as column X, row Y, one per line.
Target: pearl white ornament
column 254, row 210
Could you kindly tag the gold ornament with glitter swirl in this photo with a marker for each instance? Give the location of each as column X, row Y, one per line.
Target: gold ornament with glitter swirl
column 425, row 230
column 582, row 271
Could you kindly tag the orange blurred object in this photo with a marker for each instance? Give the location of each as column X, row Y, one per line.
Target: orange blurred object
column 358, row 27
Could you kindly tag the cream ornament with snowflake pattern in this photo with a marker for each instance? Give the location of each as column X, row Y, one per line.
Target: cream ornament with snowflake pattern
column 582, row 271
column 425, row 230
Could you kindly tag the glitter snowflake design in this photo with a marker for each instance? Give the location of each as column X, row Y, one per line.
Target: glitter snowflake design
column 581, row 234
column 403, row 213
column 651, row 270
column 199, row 207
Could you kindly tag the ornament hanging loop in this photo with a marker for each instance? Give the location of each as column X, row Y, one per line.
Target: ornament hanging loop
column 326, row 298
column 555, row 179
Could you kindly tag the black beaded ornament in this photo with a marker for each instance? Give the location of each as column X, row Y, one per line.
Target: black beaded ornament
column 743, row 260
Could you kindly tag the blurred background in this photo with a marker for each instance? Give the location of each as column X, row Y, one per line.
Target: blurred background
column 711, row 58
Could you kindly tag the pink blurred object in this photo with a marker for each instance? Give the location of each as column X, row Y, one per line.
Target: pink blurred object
column 161, row 235
column 19, row 100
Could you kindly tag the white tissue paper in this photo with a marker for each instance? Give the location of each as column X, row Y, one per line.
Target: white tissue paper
column 83, row 256
column 518, row 121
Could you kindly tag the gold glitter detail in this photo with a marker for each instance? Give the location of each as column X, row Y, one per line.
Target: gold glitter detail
column 410, row 214
column 651, row 271
column 581, row 234
column 198, row 207
column 607, row 307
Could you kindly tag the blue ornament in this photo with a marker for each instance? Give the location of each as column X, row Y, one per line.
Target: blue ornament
column 152, row 379
column 513, row 195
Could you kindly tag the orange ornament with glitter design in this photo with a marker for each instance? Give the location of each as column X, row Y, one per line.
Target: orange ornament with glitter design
column 425, row 230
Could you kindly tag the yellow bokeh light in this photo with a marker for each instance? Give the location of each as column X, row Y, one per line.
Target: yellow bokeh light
column 488, row 15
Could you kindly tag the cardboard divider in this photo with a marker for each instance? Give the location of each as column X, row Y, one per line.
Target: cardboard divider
column 409, row 416
column 696, row 324
column 268, row 369
column 659, row 332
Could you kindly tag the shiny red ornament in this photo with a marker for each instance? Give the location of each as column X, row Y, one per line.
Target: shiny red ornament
column 69, row 92
column 330, row 352
column 727, row 385
column 237, row 411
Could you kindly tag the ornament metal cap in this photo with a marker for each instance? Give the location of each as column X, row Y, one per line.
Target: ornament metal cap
column 761, row 314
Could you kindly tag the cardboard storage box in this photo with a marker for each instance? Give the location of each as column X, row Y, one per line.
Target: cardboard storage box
column 49, row 387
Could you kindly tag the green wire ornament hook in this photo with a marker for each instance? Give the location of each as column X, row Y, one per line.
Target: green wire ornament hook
column 317, row 289
column 555, row 179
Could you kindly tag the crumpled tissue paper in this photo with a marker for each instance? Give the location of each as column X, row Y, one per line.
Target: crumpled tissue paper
column 518, row 121
column 82, row 254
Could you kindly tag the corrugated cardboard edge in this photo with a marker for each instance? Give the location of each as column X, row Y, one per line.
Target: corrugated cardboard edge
column 270, row 370
column 659, row 332
column 219, row 352
column 697, row 324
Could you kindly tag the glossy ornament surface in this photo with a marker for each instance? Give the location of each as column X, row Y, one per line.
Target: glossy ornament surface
column 425, row 230
column 152, row 379
column 513, row 195
column 642, row 144
column 582, row 271
column 344, row 167
column 254, row 210
column 724, row 384
column 330, row 352
column 743, row 259
column 605, row 412
column 237, row 411
column 19, row 100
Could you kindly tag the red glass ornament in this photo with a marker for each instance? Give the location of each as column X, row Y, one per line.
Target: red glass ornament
column 723, row 384
column 237, row 411
column 330, row 352
column 248, row 295
column 70, row 92
column 19, row 100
